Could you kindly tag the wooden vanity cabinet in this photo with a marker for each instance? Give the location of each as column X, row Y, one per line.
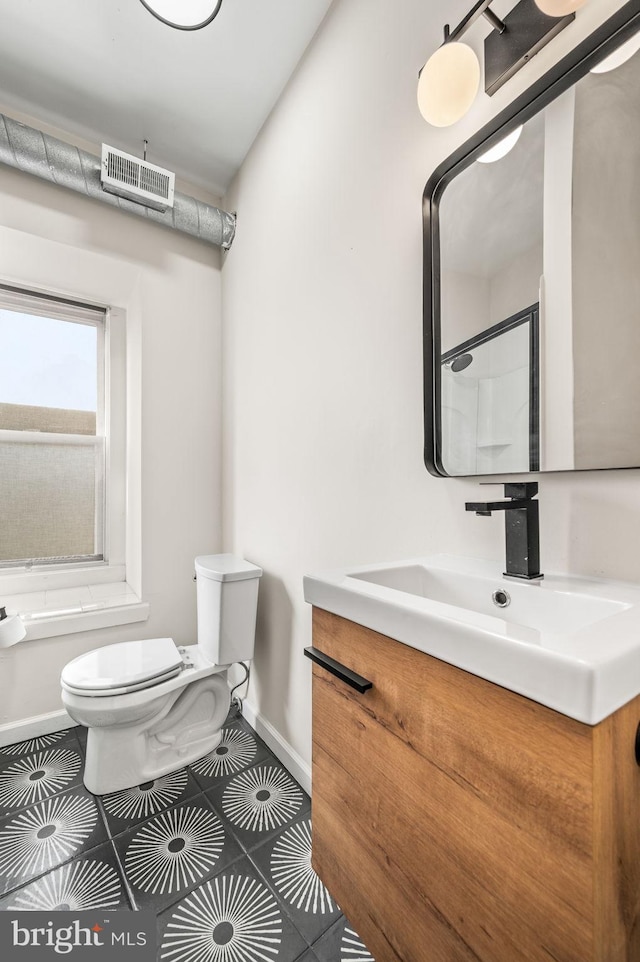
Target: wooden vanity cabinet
column 455, row 821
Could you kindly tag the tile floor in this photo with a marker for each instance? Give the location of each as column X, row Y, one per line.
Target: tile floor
column 220, row 851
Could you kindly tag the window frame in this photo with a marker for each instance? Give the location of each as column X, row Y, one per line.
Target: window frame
column 22, row 586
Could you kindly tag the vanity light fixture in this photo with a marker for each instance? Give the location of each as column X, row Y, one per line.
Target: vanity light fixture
column 448, row 84
column 184, row 14
column 619, row 56
column 502, row 148
column 449, row 80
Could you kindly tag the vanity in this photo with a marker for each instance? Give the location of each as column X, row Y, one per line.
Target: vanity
column 481, row 800
column 476, row 748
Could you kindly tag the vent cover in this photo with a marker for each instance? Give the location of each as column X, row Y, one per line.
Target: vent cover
column 128, row 176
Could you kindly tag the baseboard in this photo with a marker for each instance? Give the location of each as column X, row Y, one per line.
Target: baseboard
column 55, row 721
column 33, row 727
column 280, row 748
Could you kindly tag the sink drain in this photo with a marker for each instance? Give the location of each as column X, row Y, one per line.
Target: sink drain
column 501, row 598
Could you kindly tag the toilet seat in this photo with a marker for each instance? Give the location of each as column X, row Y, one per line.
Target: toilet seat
column 125, row 667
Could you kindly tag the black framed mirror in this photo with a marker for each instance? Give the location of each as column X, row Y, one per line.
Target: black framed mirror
column 532, row 277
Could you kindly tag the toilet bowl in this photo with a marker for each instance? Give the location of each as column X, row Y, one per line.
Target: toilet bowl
column 152, row 707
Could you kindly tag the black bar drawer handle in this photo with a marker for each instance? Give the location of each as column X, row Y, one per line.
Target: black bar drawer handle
column 344, row 674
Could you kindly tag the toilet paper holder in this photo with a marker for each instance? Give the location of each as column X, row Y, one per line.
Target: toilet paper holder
column 12, row 629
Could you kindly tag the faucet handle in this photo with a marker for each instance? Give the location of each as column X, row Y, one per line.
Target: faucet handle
column 523, row 490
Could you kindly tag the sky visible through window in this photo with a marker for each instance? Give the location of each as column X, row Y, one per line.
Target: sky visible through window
column 47, row 362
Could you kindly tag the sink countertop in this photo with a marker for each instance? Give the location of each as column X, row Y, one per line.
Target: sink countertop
column 570, row 643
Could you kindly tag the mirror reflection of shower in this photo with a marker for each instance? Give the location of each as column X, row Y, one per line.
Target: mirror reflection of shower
column 489, row 399
column 461, row 363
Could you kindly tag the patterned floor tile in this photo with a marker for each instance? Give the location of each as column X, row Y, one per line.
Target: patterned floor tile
column 51, row 832
column 285, row 863
column 182, row 851
column 233, row 916
column 131, row 806
column 29, row 778
column 92, row 881
column 173, row 852
column 259, row 802
column 238, row 749
column 341, row 944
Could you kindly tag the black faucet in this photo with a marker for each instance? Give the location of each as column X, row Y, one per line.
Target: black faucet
column 522, row 528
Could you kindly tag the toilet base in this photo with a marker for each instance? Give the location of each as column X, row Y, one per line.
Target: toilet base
column 189, row 726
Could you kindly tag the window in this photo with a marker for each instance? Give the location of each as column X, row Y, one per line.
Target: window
column 66, row 539
column 52, row 431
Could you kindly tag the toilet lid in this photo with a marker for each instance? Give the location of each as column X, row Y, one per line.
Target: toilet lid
column 127, row 664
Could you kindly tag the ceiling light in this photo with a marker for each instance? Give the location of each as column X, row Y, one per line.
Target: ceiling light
column 559, row 8
column 619, row 56
column 502, row 148
column 449, row 79
column 448, row 84
column 184, row 14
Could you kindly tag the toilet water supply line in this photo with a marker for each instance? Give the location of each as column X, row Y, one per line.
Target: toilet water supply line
column 37, row 153
column 237, row 702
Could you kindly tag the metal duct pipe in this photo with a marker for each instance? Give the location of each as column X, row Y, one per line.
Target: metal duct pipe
column 33, row 152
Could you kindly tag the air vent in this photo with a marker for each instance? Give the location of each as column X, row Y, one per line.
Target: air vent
column 135, row 179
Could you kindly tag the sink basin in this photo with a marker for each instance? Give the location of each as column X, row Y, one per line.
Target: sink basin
column 551, row 609
column 570, row 643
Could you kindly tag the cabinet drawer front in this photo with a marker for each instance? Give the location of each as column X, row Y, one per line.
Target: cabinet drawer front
column 449, row 814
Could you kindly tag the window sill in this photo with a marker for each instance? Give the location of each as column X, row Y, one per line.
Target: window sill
column 47, row 614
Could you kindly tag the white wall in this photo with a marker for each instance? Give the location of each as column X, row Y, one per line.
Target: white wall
column 172, row 285
column 470, row 304
column 516, row 286
column 323, row 344
column 605, row 276
column 464, row 307
column 556, row 301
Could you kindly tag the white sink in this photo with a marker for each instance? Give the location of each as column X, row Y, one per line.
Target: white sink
column 553, row 609
column 570, row 643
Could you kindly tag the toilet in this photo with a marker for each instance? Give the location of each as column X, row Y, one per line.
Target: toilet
column 152, row 707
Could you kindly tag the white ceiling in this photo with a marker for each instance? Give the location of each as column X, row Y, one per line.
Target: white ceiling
column 106, row 70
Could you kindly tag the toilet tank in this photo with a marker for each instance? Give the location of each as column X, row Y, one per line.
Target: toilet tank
column 227, row 599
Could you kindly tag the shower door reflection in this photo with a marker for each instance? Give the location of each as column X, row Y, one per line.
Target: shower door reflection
column 489, row 400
